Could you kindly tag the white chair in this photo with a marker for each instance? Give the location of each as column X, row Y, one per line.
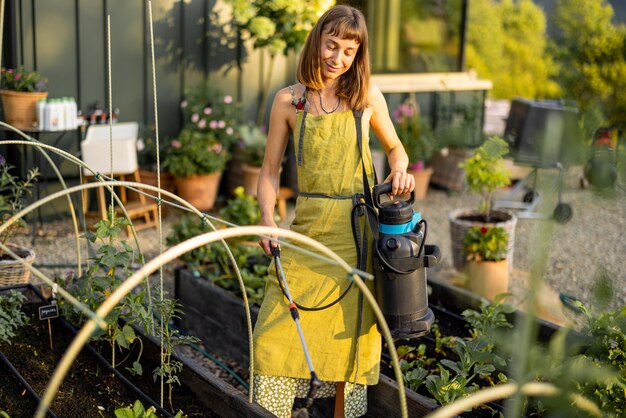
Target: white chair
column 96, row 153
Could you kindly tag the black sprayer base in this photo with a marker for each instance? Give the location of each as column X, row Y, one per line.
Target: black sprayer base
column 404, row 328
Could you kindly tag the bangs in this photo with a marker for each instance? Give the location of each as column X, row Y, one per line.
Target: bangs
column 346, row 28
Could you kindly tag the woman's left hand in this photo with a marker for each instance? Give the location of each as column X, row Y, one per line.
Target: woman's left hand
column 401, row 182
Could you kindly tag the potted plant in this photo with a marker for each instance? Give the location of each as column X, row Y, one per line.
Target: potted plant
column 197, row 160
column 487, row 266
column 12, row 194
column 485, row 173
column 20, row 91
column 418, row 141
column 146, row 159
column 253, row 141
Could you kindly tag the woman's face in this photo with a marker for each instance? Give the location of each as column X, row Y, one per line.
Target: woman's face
column 337, row 55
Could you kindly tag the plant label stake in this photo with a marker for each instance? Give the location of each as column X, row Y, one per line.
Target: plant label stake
column 49, row 312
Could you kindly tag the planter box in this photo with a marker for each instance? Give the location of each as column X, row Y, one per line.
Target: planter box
column 217, row 317
column 211, row 394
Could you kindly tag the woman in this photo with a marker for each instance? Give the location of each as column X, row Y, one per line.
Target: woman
column 343, row 341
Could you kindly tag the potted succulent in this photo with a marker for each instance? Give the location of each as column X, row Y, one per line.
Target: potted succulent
column 253, row 141
column 12, row 194
column 197, row 160
column 487, row 267
column 418, row 141
column 485, row 173
column 20, row 91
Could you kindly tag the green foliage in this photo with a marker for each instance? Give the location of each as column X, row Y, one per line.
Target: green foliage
column 253, row 142
column 485, row 171
column 13, row 193
column 18, row 79
column 485, row 244
column 168, row 310
column 460, row 366
column 11, row 315
column 107, row 270
column 507, row 44
column 212, row 261
column 414, row 132
column 137, row 410
column 592, row 53
column 242, row 210
column 195, row 152
column 279, row 25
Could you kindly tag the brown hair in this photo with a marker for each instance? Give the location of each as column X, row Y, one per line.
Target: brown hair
column 347, row 23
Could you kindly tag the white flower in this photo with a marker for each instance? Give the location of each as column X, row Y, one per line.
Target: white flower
column 183, row 104
column 228, row 99
column 140, row 145
column 195, row 118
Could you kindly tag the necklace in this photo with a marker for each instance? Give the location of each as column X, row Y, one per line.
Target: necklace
column 333, row 109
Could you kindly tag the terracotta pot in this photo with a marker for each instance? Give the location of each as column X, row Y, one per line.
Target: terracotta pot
column 422, row 181
column 150, row 177
column 20, row 107
column 199, row 190
column 488, row 278
column 250, row 178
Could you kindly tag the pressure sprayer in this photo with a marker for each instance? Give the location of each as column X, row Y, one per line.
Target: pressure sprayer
column 400, row 259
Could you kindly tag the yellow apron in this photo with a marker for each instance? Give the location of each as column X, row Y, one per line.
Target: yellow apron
column 331, row 165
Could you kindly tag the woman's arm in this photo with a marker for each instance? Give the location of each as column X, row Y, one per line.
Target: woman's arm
column 277, row 137
column 402, row 182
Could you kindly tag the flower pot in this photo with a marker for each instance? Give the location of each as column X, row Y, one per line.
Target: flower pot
column 488, row 278
column 463, row 219
column 422, row 181
column 20, row 108
column 250, row 178
column 12, row 271
column 199, row 190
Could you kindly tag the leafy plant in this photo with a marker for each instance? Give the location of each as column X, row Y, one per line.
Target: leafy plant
column 11, row 315
column 108, row 268
column 19, row 79
column 168, row 310
column 253, row 141
column 482, row 243
column 414, row 133
column 195, row 152
column 242, row 210
column 12, row 195
column 139, row 411
column 485, row 171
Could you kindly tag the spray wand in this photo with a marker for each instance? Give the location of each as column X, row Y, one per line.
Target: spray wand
column 315, row 383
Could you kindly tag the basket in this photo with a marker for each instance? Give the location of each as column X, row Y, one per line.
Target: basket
column 14, row 272
column 20, row 108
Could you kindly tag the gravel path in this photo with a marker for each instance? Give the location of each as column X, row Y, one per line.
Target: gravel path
column 576, row 251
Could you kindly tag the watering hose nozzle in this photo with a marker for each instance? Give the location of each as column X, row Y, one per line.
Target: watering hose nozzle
column 275, row 251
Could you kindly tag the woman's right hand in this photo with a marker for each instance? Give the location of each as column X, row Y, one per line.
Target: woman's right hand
column 266, row 243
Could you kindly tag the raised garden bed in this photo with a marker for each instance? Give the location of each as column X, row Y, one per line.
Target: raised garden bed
column 92, row 388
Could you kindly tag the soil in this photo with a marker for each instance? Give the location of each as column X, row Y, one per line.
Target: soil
column 88, row 390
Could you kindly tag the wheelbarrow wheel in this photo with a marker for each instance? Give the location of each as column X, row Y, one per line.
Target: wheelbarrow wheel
column 530, row 196
column 562, row 213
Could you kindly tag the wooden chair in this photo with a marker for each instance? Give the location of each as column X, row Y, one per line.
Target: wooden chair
column 96, row 153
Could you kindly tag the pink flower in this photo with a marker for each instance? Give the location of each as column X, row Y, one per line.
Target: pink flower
column 195, row 118
column 221, row 124
column 207, row 110
column 230, row 131
column 397, row 115
column 175, row 143
column 202, row 124
column 228, row 99
column 17, row 77
column 217, row 148
column 183, row 104
column 213, row 124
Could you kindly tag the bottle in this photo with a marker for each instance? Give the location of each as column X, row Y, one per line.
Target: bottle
column 41, row 114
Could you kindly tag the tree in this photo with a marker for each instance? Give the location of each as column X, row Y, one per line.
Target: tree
column 507, row 43
column 592, row 52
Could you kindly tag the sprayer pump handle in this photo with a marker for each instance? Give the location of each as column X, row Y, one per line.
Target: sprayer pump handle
column 383, row 188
